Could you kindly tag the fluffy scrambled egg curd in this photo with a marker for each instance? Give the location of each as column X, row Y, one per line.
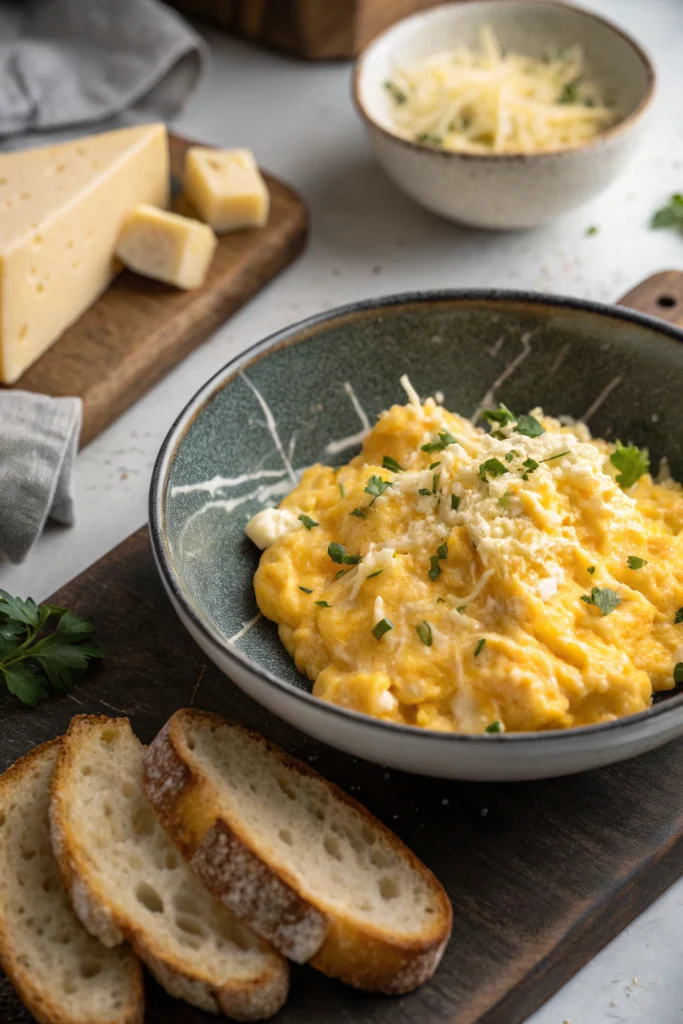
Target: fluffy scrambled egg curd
column 523, row 579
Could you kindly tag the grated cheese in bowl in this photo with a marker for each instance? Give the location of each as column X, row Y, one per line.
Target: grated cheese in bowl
column 488, row 101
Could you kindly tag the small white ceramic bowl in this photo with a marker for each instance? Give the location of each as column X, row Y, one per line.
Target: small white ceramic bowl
column 505, row 190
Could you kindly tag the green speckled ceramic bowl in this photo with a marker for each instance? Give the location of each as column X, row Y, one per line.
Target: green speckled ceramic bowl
column 307, row 393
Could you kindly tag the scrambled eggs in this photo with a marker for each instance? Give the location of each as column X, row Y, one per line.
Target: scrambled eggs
column 523, row 579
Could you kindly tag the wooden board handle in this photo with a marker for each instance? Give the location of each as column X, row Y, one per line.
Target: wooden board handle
column 660, row 295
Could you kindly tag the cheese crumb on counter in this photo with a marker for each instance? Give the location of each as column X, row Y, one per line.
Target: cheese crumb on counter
column 166, row 247
column 227, row 188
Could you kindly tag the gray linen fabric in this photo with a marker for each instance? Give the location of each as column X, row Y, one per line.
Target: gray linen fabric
column 38, row 444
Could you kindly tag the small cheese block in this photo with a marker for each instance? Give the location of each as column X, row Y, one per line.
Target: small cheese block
column 61, row 212
column 166, row 246
column 226, row 188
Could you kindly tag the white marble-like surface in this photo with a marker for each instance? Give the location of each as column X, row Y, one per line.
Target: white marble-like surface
column 368, row 239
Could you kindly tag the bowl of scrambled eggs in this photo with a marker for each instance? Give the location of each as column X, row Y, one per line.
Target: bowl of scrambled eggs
column 442, row 531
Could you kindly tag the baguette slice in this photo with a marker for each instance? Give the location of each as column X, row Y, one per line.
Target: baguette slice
column 62, row 974
column 127, row 880
column 296, row 858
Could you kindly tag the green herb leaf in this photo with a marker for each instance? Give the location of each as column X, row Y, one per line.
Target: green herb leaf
column 392, row 465
column 551, row 458
column 604, row 599
column 308, row 522
column 435, row 482
column 592, row 230
column 461, row 609
column 434, row 465
column 635, row 563
column 504, row 500
column 678, row 673
column 428, row 139
column 342, row 572
column 306, row 590
column 337, row 553
column 569, row 92
column 376, row 487
column 455, row 502
column 670, row 215
column 503, row 415
column 679, row 617
column 359, row 513
column 398, row 94
column 492, row 467
column 435, row 570
column 442, row 552
column 382, row 627
column 377, row 572
column 510, row 455
column 494, row 727
column 591, row 569
column 342, row 492
column 480, row 647
column 25, row 683
column 445, row 438
column 632, row 461
column 531, row 466
column 17, row 610
column 425, row 492
column 424, row 631
column 323, row 604
column 529, row 426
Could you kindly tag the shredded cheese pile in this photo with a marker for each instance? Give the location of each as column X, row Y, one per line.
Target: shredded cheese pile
column 490, row 101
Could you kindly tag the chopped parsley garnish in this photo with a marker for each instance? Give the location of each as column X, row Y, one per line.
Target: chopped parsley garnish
column 341, row 490
column 510, row 455
column 492, row 467
column 337, row 553
column 425, row 492
column 603, row 598
column 445, row 438
column 442, row 552
column 569, row 92
column 342, row 572
column 359, row 513
column 529, row 426
column 376, row 487
column 382, row 627
column 430, row 140
column 461, row 609
column 679, row 617
column 592, row 230
column 635, row 563
column 307, row 521
column 494, row 727
column 440, row 600
column 392, row 465
column 323, row 604
column 398, row 94
column 377, row 572
column 306, row 590
column 434, row 465
column 435, row 482
column 591, row 569
column 670, row 215
column 632, row 462
column 503, row 415
column 424, row 631
column 531, row 466
column 504, row 500
column 678, row 673
column 435, row 570
column 558, row 456
column 480, row 647
column 455, row 502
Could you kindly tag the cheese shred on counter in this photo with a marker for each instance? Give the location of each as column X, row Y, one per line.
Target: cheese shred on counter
column 488, row 101
column 527, row 578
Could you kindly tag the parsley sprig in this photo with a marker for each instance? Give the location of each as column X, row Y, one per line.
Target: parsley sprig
column 670, row 215
column 42, row 646
column 603, row 598
column 528, row 426
column 445, row 438
column 633, row 463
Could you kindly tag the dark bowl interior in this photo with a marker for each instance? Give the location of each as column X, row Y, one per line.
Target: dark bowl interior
column 623, row 370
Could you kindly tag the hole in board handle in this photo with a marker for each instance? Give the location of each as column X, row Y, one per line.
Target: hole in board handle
column 667, row 301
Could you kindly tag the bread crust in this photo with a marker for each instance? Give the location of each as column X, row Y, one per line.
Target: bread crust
column 254, row 999
column 41, row 1003
column 265, row 894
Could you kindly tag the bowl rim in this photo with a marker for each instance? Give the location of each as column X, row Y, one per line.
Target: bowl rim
column 421, row 16
column 298, row 332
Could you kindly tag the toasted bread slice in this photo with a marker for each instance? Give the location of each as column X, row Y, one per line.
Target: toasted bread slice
column 128, row 881
column 62, row 974
column 296, row 858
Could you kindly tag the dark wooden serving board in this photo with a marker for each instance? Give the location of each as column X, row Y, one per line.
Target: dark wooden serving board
column 140, row 329
column 542, row 875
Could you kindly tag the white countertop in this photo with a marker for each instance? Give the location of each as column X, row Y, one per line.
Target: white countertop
column 368, row 239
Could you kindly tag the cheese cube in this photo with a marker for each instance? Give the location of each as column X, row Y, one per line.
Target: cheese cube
column 226, row 188
column 61, row 212
column 166, row 246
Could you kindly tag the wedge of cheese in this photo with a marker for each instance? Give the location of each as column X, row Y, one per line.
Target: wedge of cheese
column 61, row 213
column 226, row 188
column 167, row 247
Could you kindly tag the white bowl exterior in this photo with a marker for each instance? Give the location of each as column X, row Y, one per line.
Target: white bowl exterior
column 504, row 191
column 495, row 759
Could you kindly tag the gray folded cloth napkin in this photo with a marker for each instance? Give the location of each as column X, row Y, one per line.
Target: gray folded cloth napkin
column 38, row 444
column 75, row 63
